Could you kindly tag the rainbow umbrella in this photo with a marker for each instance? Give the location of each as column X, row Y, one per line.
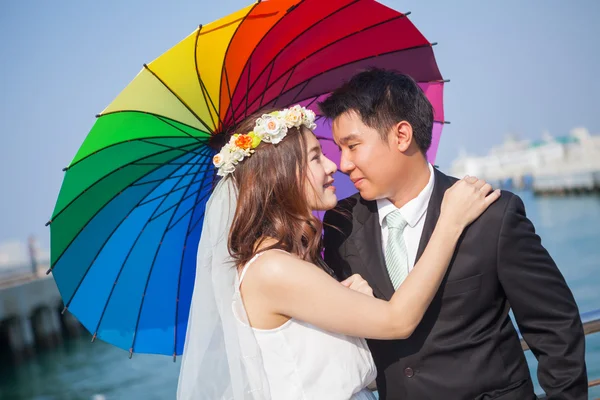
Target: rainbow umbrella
column 127, row 222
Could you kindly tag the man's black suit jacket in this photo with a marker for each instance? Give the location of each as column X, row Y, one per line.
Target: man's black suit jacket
column 466, row 346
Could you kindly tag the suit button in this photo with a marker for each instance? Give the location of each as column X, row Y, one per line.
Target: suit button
column 409, row 372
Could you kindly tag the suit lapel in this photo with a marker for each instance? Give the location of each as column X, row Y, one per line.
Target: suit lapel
column 367, row 241
column 367, row 237
column 441, row 183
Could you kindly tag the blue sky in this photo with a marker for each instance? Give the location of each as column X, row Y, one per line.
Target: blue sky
column 515, row 67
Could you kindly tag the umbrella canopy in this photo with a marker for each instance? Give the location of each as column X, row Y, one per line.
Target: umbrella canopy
column 127, row 222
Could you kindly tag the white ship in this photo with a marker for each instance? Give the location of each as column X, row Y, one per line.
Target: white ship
column 552, row 165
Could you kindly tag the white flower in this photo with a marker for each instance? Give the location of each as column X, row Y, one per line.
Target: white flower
column 226, row 169
column 272, row 129
column 218, row 160
column 293, row 117
column 226, row 153
column 272, row 124
column 274, row 139
column 282, row 116
column 308, row 119
column 237, row 155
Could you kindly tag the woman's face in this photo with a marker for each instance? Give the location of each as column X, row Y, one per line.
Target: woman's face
column 319, row 189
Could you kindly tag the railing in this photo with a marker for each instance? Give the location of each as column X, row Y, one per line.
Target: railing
column 17, row 274
column 591, row 324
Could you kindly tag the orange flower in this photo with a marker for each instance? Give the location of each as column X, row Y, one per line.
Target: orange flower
column 243, row 142
column 217, row 160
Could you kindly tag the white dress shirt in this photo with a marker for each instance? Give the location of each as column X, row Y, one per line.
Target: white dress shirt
column 414, row 213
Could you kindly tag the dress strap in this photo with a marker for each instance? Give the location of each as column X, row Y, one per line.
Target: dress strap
column 245, row 269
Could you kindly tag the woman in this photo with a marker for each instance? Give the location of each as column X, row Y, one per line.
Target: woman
column 302, row 325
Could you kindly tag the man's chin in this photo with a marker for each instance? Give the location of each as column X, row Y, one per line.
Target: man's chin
column 370, row 195
column 367, row 195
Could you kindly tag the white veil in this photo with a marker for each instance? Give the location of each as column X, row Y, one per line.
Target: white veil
column 221, row 358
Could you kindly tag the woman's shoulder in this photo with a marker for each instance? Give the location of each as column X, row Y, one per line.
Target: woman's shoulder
column 277, row 268
column 271, row 265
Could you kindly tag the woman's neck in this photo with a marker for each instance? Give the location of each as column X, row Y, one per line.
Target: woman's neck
column 264, row 243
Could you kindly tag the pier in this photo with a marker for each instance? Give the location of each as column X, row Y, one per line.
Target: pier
column 30, row 313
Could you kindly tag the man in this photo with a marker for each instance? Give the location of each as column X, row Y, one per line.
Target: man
column 466, row 346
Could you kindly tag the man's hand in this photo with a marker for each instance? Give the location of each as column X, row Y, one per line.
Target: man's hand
column 357, row 283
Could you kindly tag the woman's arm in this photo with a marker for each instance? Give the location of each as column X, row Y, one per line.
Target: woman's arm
column 297, row 289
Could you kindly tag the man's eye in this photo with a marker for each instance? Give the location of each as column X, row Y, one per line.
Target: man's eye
column 352, row 146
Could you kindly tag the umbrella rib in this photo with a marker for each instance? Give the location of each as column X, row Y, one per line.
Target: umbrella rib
column 329, row 45
column 155, row 115
column 150, row 275
column 204, row 90
column 310, row 103
column 68, row 303
column 284, row 85
column 200, row 82
column 175, row 190
column 199, row 219
column 203, row 163
column 164, row 179
column 267, row 83
column 294, row 39
column 149, row 141
column 187, row 195
column 180, row 99
column 202, row 187
column 134, row 162
column 224, row 69
column 352, row 62
column 229, row 94
column 178, row 291
column 248, row 62
column 301, row 90
column 198, row 139
column 120, row 271
column 247, row 86
column 137, row 140
column 157, row 163
column 197, row 222
column 196, row 202
column 101, row 208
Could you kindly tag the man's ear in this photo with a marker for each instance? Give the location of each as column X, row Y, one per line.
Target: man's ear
column 403, row 135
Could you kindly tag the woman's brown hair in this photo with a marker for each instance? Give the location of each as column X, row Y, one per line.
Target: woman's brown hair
column 271, row 199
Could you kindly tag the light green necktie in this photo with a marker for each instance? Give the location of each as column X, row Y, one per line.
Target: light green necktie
column 396, row 256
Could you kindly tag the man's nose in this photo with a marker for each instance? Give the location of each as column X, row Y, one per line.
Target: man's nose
column 346, row 166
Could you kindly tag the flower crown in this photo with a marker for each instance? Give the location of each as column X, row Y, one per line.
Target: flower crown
column 269, row 128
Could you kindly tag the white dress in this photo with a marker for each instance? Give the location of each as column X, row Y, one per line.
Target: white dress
column 304, row 362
